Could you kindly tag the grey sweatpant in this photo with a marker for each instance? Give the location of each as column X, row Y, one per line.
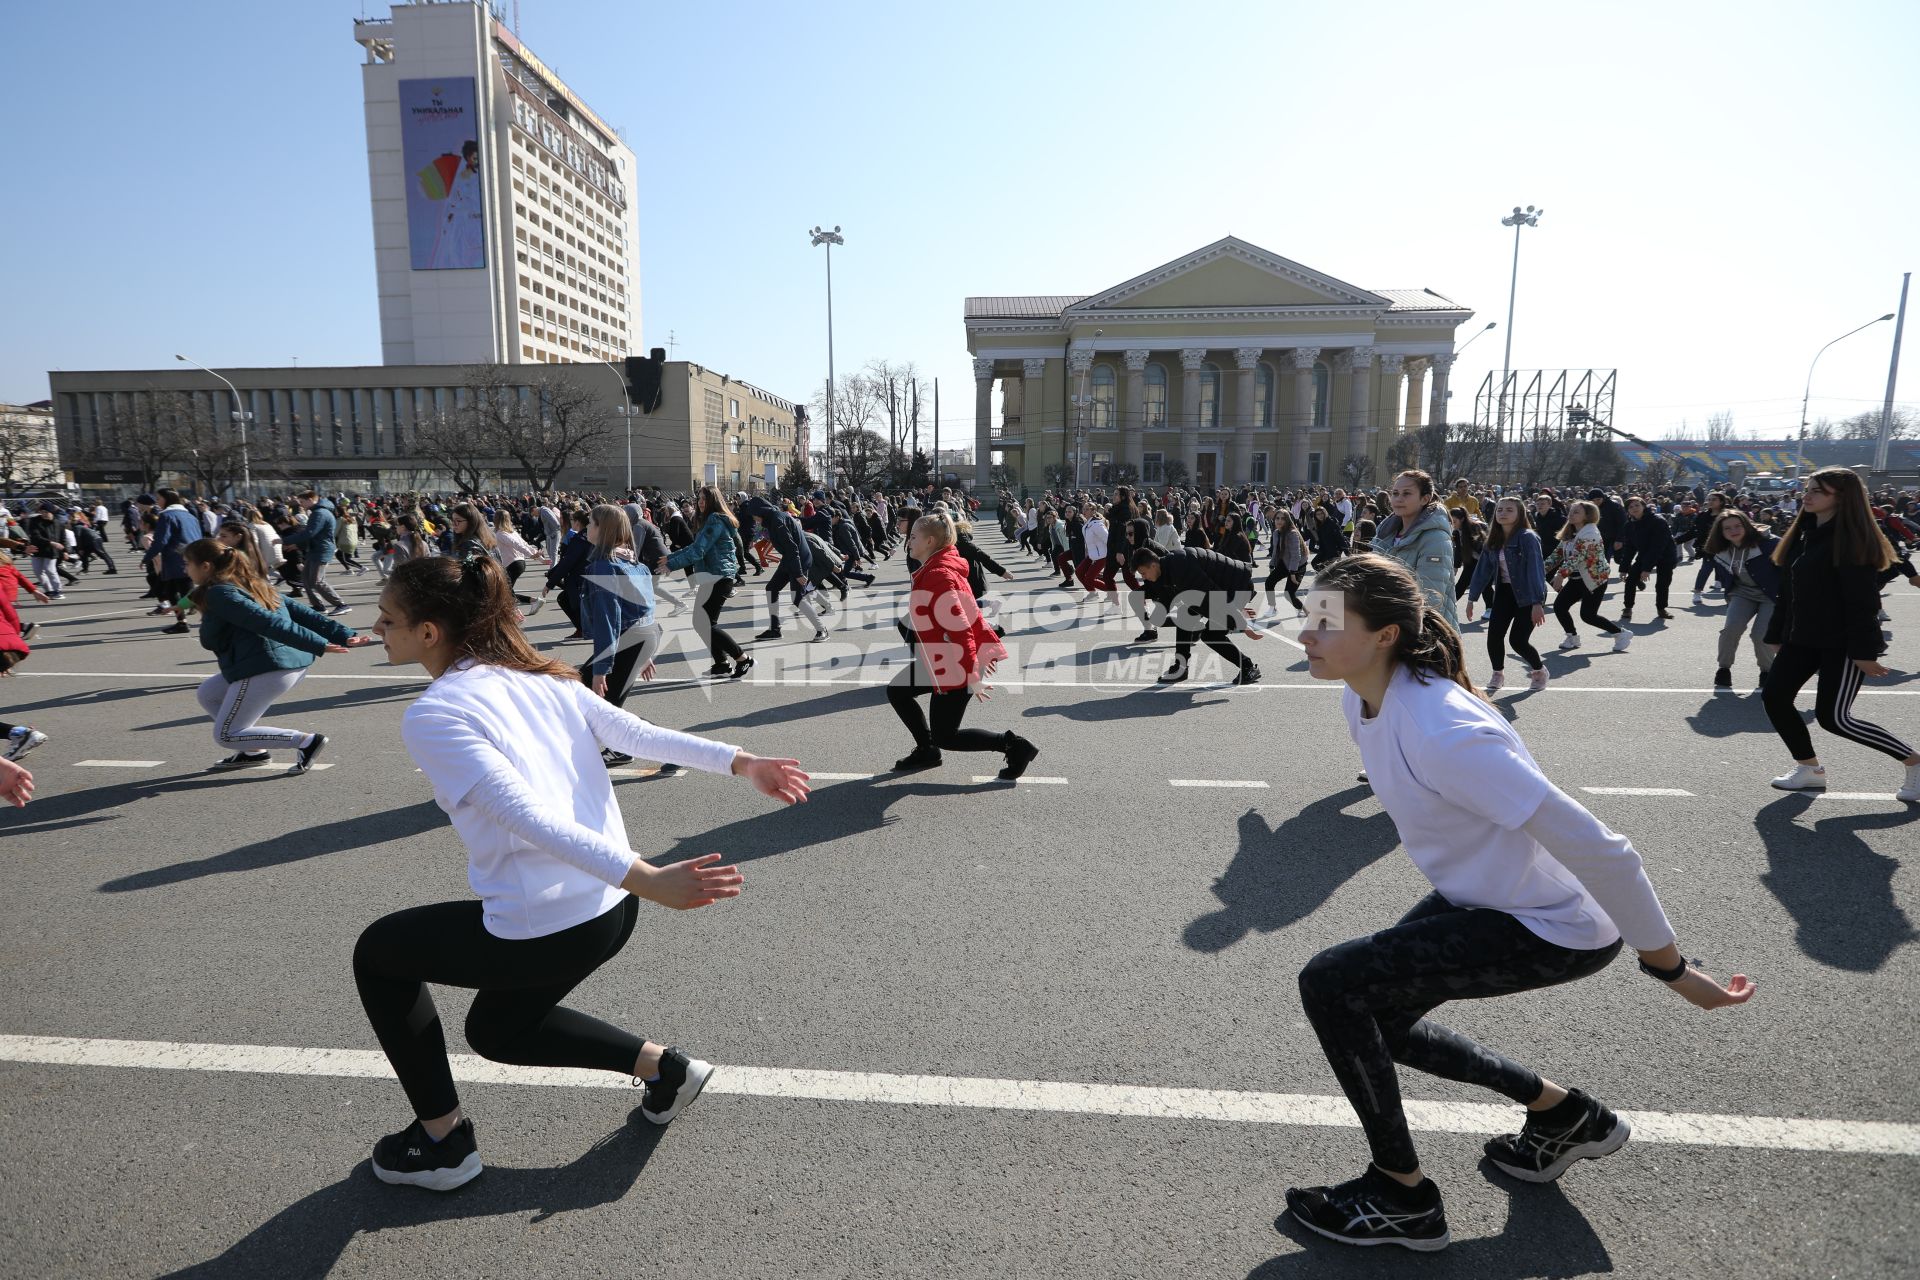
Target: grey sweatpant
column 1746, row 605
column 236, row 709
column 313, row 576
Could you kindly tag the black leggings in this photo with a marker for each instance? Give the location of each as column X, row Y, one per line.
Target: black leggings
column 1279, row 572
column 713, row 598
column 1793, row 666
column 1576, row 592
column 947, row 707
column 1662, row 585
column 1368, row 1000
column 516, row 1017
column 1508, row 622
column 1217, row 639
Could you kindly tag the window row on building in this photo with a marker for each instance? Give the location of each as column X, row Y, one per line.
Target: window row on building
column 1103, row 393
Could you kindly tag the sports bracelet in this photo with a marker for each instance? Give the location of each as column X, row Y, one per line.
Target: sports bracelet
column 1674, row 974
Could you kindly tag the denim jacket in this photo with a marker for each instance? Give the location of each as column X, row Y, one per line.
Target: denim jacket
column 1524, row 567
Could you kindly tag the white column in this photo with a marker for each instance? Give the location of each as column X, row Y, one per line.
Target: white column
column 1240, row 463
column 1437, row 410
column 1391, row 369
column 1191, row 358
column 983, row 422
column 1359, row 363
column 1032, row 396
column 1132, row 446
column 1416, row 391
column 1302, row 417
column 1079, row 367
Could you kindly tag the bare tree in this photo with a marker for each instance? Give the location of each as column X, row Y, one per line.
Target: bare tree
column 29, row 457
column 1822, row 430
column 1720, row 427
column 857, row 401
column 447, row 441
column 1355, row 469
column 860, row 456
column 560, row 425
column 1866, row 426
column 208, row 450
column 137, row 437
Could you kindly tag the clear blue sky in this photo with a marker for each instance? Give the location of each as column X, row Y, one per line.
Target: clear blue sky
column 1727, row 185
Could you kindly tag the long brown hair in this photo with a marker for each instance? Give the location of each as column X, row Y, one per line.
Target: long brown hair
column 1383, row 592
column 1857, row 540
column 1497, row 532
column 612, row 534
column 233, row 568
column 472, row 601
column 249, row 545
column 713, row 503
column 1717, row 539
column 477, row 527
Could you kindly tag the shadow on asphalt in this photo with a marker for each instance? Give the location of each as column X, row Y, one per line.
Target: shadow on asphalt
column 294, row 846
column 1279, row 876
column 308, row 1237
column 836, row 811
column 1149, row 700
column 843, row 698
column 1838, row 891
column 1736, row 711
column 1546, row 1238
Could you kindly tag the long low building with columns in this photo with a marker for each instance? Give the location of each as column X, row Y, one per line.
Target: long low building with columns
column 1239, row 365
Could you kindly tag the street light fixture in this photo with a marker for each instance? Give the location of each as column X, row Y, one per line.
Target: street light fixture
column 626, row 411
column 829, row 239
column 240, row 416
column 1808, row 393
column 1491, row 324
column 1529, row 217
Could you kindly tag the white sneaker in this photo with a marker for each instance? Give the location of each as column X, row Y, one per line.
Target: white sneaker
column 1911, row 791
column 1571, row 642
column 1804, row 777
column 1496, row 681
column 1090, row 597
column 1621, row 641
column 1536, row 679
column 1698, row 598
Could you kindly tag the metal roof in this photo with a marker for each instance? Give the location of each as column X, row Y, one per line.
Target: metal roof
column 1044, row 306
column 1419, row 300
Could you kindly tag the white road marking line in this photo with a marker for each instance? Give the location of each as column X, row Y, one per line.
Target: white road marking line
column 1852, row 795
column 1853, row 1137
column 201, row 670
column 1635, row 791
column 1218, row 782
column 1280, row 635
column 840, row 777
column 117, row 764
column 1025, row 782
column 83, row 617
column 640, row 773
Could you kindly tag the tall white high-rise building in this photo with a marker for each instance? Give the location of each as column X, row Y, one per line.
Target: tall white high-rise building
column 504, row 224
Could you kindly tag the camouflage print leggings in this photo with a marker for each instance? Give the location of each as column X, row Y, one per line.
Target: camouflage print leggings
column 1368, row 1000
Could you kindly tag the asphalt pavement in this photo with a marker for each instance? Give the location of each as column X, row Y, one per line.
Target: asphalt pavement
column 1125, row 925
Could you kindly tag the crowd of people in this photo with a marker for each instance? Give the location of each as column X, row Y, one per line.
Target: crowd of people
column 1528, row 888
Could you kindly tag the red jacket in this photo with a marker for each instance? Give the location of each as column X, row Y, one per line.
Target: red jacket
column 11, row 585
column 950, row 634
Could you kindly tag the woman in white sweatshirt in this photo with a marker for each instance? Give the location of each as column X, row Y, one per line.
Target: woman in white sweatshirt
column 1529, row 891
column 511, row 743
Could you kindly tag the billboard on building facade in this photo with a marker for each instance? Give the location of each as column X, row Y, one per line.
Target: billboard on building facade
column 440, row 154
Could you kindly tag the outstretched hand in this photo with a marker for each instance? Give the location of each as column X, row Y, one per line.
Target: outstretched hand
column 782, row 780
column 696, row 882
column 16, row 784
column 1700, row 989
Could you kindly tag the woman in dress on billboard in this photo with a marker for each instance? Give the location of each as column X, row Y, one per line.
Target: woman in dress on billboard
column 462, row 239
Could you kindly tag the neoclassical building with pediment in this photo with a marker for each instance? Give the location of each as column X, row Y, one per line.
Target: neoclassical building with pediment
column 1243, row 366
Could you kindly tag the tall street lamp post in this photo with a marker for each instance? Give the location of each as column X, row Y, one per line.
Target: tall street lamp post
column 240, row 416
column 1807, row 395
column 626, row 411
column 829, row 239
column 1530, row 217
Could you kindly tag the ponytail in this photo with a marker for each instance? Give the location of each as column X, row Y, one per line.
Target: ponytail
column 1383, row 592
column 472, row 601
column 233, row 568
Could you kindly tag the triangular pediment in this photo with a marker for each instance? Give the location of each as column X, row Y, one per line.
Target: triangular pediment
column 1230, row 273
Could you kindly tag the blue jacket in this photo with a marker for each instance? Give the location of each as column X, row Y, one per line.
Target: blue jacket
column 247, row 640
column 1760, row 567
column 178, row 527
column 614, row 596
column 319, row 535
column 711, row 550
column 1524, row 566
column 569, row 562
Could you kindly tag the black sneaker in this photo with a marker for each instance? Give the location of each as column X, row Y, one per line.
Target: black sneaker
column 1249, row 674
column 1020, row 754
column 679, row 1083
column 771, row 633
column 304, row 758
column 1581, row 1128
column 1174, row 674
column 1147, row 636
column 411, row 1158
column 177, row 629
column 1723, row 678
column 243, row 760
column 1374, row 1209
column 614, row 759
column 26, row 632
column 666, row 771
column 919, row 758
